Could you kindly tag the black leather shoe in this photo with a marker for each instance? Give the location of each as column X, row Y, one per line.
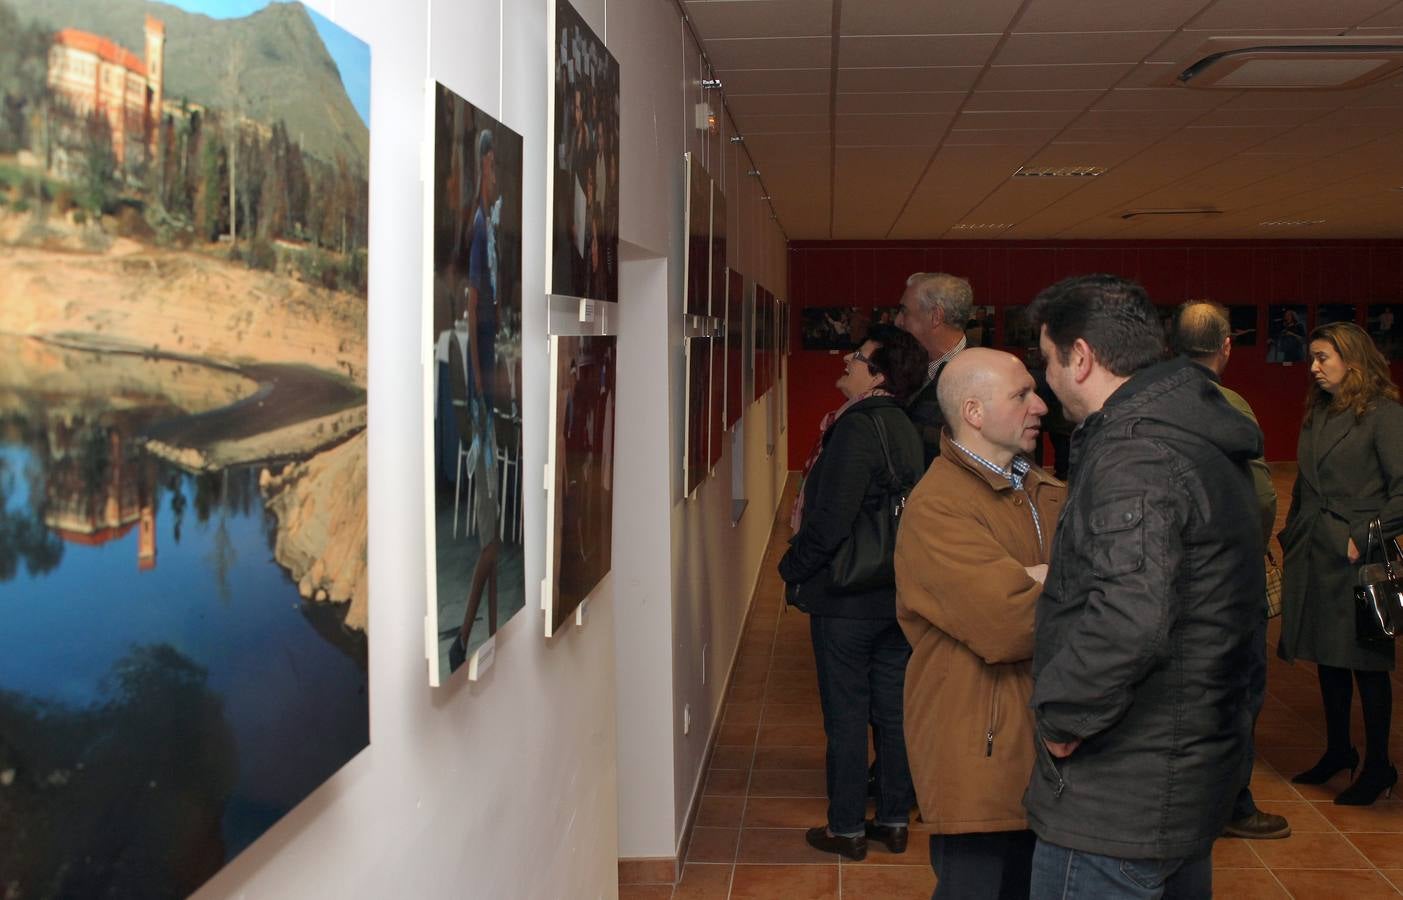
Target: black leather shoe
column 893, row 836
column 1332, row 762
column 1374, row 780
column 1258, row 826
column 854, row 848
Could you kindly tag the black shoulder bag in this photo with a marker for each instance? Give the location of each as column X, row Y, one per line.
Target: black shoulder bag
column 1378, row 598
column 863, row 562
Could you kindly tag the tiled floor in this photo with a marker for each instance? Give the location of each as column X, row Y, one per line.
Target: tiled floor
column 765, row 787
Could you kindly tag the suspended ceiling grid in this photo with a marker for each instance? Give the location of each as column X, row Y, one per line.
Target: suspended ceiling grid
column 904, row 119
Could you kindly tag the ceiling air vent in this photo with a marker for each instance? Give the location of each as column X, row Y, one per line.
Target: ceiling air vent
column 1059, row 171
column 1290, row 223
column 1294, row 63
column 981, row 226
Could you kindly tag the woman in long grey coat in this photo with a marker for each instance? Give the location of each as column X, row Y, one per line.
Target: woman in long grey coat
column 1351, row 471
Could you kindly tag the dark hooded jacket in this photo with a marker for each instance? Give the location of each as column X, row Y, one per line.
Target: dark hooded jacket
column 1144, row 644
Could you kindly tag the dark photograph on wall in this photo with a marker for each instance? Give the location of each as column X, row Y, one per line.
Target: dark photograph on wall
column 735, row 346
column 1286, row 333
column 834, row 327
column 585, row 193
column 695, row 440
column 717, row 302
column 1386, row 328
column 1018, row 332
column 1242, row 320
column 581, row 524
column 885, row 315
column 697, row 263
column 979, row 330
column 1326, row 313
column 184, row 599
column 477, row 574
column 716, row 400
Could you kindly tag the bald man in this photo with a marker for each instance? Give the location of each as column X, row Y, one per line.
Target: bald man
column 971, row 555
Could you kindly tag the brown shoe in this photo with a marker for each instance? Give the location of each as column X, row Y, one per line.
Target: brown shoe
column 854, row 848
column 893, row 836
column 1259, row 826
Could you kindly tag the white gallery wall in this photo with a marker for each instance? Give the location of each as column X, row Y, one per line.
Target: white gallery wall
column 532, row 782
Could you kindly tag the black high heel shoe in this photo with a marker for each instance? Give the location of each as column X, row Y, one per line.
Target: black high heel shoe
column 1374, row 780
column 1332, row 762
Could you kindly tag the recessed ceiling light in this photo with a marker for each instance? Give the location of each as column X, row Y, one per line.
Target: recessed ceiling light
column 981, row 226
column 1059, row 171
column 1290, row 223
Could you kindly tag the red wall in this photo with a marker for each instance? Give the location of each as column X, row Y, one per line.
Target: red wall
column 832, row 273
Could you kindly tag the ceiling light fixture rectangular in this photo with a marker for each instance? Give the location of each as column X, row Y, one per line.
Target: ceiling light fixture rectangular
column 1290, row 223
column 1059, row 171
column 981, row 226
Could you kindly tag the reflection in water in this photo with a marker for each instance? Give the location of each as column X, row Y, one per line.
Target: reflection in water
column 165, row 694
column 121, row 798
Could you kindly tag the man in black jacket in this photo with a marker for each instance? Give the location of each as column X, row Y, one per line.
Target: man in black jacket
column 934, row 309
column 1144, row 631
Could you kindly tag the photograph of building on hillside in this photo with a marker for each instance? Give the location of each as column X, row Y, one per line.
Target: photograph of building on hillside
column 183, row 588
column 584, row 246
column 476, row 568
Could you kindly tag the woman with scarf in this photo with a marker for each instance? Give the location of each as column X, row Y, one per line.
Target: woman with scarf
column 859, row 649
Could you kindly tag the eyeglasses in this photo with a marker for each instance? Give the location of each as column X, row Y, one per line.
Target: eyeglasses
column 859, row 356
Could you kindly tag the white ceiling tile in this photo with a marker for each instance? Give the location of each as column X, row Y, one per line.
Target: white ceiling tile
column 758, row 123
column 1106, row 15
column 872, row 185
column 1389, row 18
column 1270, row 100
column 1162, row 98
column 868, row 103
column 1235, row 14
column 979, row 120
column 914, row 78
column 1053, row 78
column 1379, row 118
column 1188, row 46
column 1076, row 135
column 1078, row 48
column 1150, row 75
column 1069, row 153
column 772, row 18
column 775, row 81
column 915, row 50
column 1028, row 138
column 887, row 17
column 1030, row 100
column 1151, row 121
column 1257, row 118
column 770, row 53
column 768, row 104
column 891, row 130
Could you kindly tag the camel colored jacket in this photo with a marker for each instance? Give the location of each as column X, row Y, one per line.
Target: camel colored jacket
column 966, row 604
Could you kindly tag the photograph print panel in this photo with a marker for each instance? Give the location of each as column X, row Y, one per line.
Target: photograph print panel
column 585, row 186
column 581, row 510
column 474, row 534
column 1326, row 313
column 1242, row 320
column 184, row 599
column 697, row 264
column 735, row 348
column 1286, row 333
column 695, row 443
column 1386, row 328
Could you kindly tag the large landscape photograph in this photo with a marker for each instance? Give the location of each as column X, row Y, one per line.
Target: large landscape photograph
column 183, row 288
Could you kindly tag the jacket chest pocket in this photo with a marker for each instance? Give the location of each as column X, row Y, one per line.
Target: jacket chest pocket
column 1117, row 544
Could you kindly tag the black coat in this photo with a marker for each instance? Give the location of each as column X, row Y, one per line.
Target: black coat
column 1351, row 470
column 849, row 473
column 1145, row 630
column 924, row 410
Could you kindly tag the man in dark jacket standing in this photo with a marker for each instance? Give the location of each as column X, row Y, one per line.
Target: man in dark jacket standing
column 1143, row 651
column 934, row 310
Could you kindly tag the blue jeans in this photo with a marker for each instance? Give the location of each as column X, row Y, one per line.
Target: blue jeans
column 1062, row 874
column 861, row 674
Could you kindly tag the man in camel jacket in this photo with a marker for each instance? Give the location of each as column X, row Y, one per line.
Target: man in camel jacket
column 971, row 555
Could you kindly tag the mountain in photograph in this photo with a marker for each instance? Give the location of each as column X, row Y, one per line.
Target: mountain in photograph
column 268, row 66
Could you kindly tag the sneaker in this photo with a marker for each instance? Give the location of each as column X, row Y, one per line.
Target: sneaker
column 1259, row 826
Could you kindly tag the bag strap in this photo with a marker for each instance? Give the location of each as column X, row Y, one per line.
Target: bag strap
column 1376, row 528
column 886, row 448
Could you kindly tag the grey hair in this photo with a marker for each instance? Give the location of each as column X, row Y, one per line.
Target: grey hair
column 950, row 294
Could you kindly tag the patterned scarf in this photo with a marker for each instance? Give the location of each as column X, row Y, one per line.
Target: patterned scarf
column 797, row 515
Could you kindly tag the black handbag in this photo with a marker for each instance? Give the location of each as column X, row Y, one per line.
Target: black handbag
column 1378, row 599
column 863, row 562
